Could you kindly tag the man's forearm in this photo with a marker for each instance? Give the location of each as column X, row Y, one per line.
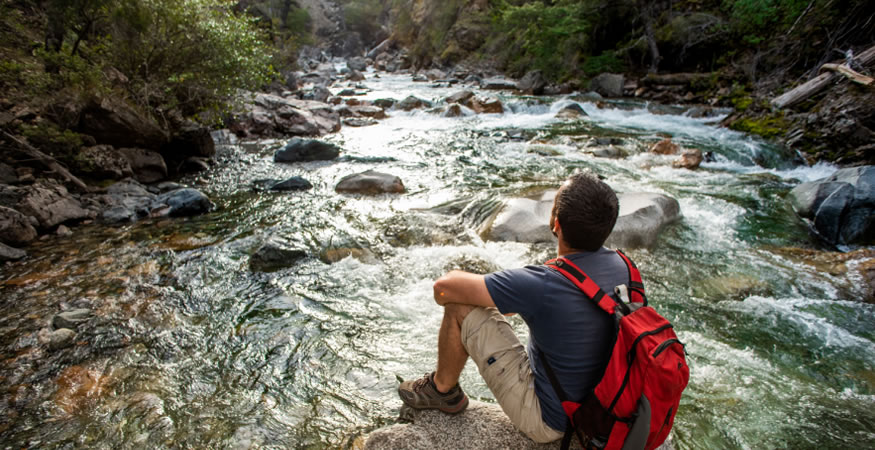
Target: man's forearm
column 463, row 288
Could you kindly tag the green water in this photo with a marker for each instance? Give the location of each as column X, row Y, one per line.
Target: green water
column 190, row 348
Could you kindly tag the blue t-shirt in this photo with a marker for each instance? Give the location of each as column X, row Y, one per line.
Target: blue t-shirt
column 573, row 332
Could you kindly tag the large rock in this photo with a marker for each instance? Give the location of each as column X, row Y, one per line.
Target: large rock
column 127, row 201
column 50, row 204
column 185, row 202
column 485, row 105
column 268, row 115
column 498, row 84
column 148, row 166
column 357, row 63
column 8, row 253
column 608, row 84
column 532, row 83
column 274, row 255
column 665, row 147
column 295, row 183
column 689, row 159
column 103, row 162
column 572, row 111
column 370, row 183
column 412, row 102
column 642, row 216
column 481, row 425
column 368, row 111
column 460, row 97
column 113, row 121
column 192, row 139
column 841, row 207
column 15, row 229
column 298, row 150
column 72, row 318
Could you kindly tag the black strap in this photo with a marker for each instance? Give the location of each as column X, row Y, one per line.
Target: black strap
column 569, row 427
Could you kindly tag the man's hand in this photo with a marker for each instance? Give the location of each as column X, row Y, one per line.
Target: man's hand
column 463, row 288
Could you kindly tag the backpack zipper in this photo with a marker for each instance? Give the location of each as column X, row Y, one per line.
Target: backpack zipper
column 664, row 346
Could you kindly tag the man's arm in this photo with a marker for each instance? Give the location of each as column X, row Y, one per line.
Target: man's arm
column 464, row 288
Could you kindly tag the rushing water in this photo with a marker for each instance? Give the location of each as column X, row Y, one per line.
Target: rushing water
column 190, row 348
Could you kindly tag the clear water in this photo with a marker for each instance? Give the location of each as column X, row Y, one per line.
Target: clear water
column 190, row 348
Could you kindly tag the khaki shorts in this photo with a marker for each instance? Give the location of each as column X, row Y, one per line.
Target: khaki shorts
column 504, row 364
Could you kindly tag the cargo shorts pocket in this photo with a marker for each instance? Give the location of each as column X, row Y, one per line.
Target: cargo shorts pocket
column 501, row 371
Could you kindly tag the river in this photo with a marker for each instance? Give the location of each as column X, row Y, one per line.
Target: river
column 188, row 347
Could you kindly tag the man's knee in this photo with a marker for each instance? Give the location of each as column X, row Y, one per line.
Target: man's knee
column 457, row 311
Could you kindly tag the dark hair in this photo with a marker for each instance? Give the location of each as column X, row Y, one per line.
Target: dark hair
column 587, row 210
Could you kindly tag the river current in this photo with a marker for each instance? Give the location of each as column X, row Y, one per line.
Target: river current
column 189, row 347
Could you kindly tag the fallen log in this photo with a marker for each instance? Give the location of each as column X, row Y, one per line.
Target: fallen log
column 852, row 74
column 48, row 161
column 817, row 84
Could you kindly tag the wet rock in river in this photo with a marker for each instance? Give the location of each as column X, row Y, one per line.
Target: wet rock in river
column 665, row 147
column 472, row 264
column 411, row 103
column 358, row 122
column 498, row 84
column 268, row 115
column 523, row 220
column 58, row 339
column 193, row 164
column 608, row 152
column 357, row 63
column 8, row 253
column 485, row 105
column 15, row 228
column 185, row 202
column 274, row 255
column 460, row 97
column 608, row 84
column 147, row 166
column 642, row 217
column 690, row 159
column 481, row 425
column 71, row 319
column 369, row 111
column 572, row 111
column 78, row 387
column 370, row 183
column 295, row 183
column 532, row 83
column 841, row 207
column 50, row 204
column 454, row 110
column 298, row 149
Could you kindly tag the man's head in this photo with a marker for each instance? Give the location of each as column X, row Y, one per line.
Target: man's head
column 586, row 210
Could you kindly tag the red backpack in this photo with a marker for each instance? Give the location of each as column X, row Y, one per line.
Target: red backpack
column 634, row 404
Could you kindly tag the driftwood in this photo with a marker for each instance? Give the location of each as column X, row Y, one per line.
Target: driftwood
column 48, row 161
column 852, row 74
column 817, row 84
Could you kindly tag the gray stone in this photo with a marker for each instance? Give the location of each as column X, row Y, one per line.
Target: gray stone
column 385, row 103
column 193, row 164
column 71, row 319
column 460, row 97
column 60, row 339
column 274, row 255
column 481, row 425
column 411, row 103
column 103, row 162
column 357, row 63
column 841, row 207
column 115, row 122
column 532, row 83
column 15, row 229
column 148, row 166
column 523, row 220
column 454, row 110
column 298, row 149
column 50, row 204
column 368, row 111
column 8, row 253
column 571, row 111
column 358, row 122
column 292, row 184
column 267, row 115
column 608, row 84
column 185, row 202
column 642, row 216
column 609, row 152
column 370, row 183
column 7, row 174
column 498, row 84
column 318, row 93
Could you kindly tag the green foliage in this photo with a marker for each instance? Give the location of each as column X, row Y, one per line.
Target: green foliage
column 187, row 54
column 548, row 36
column 605, row 62
column 48, row 136
column 756, row 20
column 767, row 126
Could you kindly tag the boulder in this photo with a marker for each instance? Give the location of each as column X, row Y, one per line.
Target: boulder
column 8, row 253
column 460, row 97
column 59, row 339
column 297, row 150
column 435, row 74
column 608, row 84
column 369, row 111
column 71, row 319
column 532, row 83
column 642, row 216
column 571, row 111
column 184, row 202
column 115, row 122
column 191, row 139
column 841, row 207
column 295, row 183
column 50, row 204
column 665, row 147
column 358, row 122
column 689, row 159
column 486, row 105
column 454, row 110
column 318, row 94
column 267, row 115
column 608, row 152
column 8, row 174
column 127, row 201
column 385, row 103
column 481, row 425
column 274, row 255
column 148, row 166
column 193, row 164
column 15, row 228
column 498, row 84
column 412, row 102
column 355, row 75
column 357, row 63
column 103, row 162
column 370, row 183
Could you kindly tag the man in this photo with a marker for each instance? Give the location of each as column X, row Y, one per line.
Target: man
column 573, row 333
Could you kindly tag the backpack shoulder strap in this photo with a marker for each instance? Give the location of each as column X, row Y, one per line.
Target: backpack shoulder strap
column 636, row 284
column 584, row 282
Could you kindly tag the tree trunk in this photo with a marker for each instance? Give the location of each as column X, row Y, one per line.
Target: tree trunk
column 817, row 84
column 646, row 7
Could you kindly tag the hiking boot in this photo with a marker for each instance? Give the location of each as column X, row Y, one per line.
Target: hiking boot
column 423, row 394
